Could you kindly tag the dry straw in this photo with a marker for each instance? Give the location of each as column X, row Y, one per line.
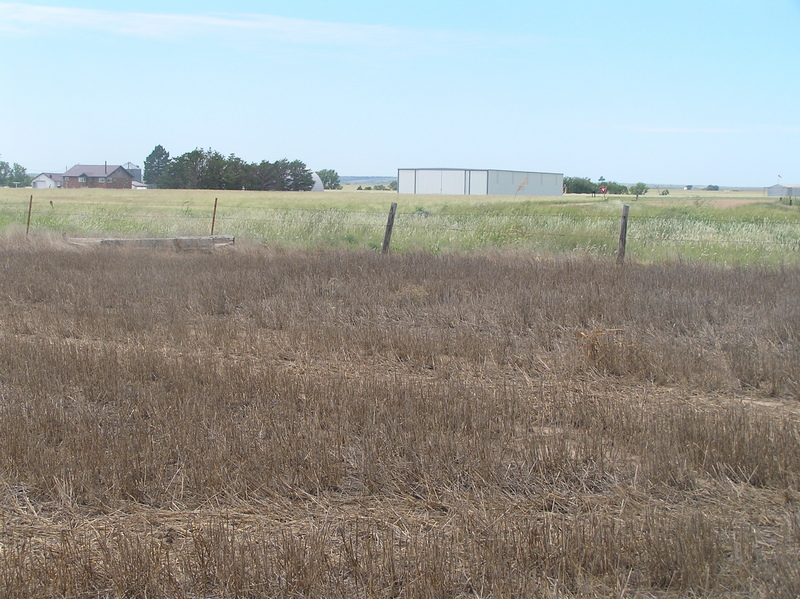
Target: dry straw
column 253, row 423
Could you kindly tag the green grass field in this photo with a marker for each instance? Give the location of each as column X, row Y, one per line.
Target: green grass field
column 726, row 227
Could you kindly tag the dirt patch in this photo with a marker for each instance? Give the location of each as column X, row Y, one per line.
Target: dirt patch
column 732, row 202
column 718, row 202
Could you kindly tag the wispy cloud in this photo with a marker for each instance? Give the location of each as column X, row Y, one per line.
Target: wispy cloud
column 28, row 19
column 681, row 130
column 709, row 130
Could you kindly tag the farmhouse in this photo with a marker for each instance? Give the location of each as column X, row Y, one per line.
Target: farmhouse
column 454, row 181
column 783, row 191
column 103, row 176
column 47, row 181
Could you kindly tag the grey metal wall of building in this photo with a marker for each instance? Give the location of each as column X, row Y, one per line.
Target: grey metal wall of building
column 434, row 181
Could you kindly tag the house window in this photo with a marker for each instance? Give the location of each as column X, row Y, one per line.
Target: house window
column 110, row 180
column 81, row 179
column 102, row 179
column 66, row 178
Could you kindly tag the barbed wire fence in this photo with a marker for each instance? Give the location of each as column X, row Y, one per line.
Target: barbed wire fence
column 413, row 229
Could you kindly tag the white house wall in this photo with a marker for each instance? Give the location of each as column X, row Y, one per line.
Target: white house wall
column 43, row 182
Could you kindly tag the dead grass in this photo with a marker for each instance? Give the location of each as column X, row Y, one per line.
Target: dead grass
column 254, row 423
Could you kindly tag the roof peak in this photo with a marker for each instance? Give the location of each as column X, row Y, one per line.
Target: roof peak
column 93, row 170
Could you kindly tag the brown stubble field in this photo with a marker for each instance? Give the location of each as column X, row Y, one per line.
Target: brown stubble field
column 265, row 423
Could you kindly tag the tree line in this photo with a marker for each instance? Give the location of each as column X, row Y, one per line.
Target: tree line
column 586, row 185
column 14, row 175
column 209, row 169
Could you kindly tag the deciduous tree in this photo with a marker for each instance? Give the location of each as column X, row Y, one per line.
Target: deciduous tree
column 616, row 188
column 5, row 172
column 638, row 190
column 329, row 178
column 579, row 185
column 14, row 175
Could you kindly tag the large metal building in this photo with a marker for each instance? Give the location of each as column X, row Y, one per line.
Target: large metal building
column 459, row 181
column 783, row 191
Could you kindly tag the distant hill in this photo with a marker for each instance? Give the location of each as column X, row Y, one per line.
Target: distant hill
column 353, row 180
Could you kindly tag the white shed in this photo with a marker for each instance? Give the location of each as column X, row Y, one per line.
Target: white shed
column 47, row 181
column 455, row 181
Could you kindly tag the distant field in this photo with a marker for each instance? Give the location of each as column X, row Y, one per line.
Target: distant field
column 728, row 227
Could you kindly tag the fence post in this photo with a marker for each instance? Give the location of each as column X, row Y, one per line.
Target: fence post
column 30, row 209
column 387, row 238
column 623, row 234
column 214, row 217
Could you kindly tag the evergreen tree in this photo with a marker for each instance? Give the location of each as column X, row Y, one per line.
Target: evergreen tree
column 264, row 176
column 187, row 171
column 155, row 165
column 209, row 169
column 300, row 178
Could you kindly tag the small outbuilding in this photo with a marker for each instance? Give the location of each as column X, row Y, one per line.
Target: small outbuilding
column 47, row 181
column 481, row 182
column 783, row 191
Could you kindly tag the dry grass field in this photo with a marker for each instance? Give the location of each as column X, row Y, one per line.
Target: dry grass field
column 733, row 228
column 265, row 423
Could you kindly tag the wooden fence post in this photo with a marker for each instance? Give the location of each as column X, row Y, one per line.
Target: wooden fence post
column 387, row 238
column 623, row 234
column 214, row 217
column 30, row 209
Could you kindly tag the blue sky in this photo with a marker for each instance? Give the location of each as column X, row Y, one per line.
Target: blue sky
column 700, row 92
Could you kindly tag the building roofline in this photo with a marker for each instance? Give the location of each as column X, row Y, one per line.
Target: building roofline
column 482, row 170
column 92, row 170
